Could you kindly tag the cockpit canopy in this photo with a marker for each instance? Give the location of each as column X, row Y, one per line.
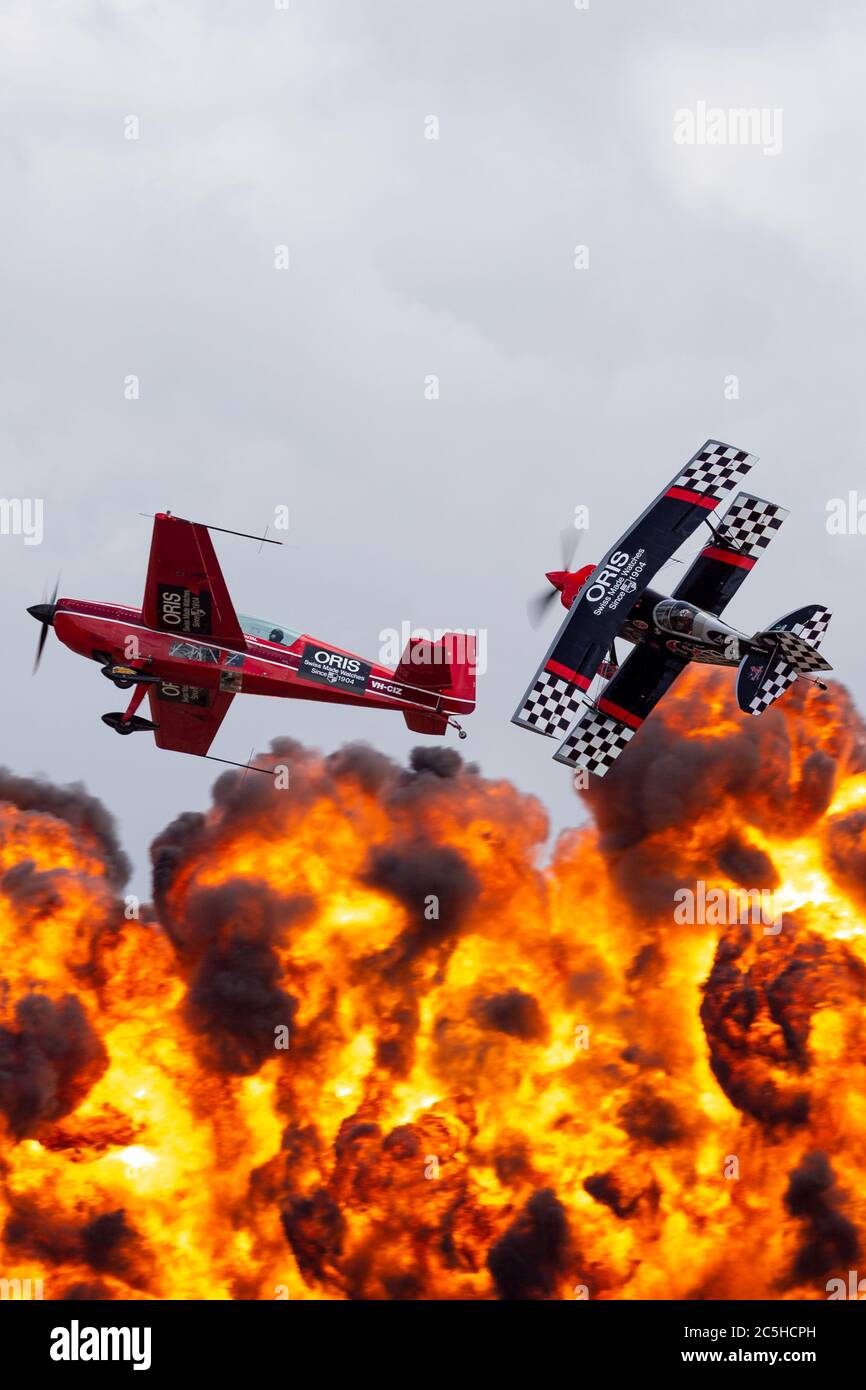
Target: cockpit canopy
column 672, row 615
column 268, row 631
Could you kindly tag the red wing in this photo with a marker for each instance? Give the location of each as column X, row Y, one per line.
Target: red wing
column 185, row 591
column 185, row 725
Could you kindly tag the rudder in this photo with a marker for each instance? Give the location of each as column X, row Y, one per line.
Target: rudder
column 446, row 666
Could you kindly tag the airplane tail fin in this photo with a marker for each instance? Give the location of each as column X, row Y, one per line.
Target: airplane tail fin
column 788, row 649
column 446, row 667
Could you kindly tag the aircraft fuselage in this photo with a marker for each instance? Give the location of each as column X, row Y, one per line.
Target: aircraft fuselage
column 659, row 621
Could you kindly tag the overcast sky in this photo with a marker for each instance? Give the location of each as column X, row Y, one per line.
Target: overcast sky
column 411, row 257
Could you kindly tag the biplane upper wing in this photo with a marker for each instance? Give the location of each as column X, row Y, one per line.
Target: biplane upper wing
column 605, row 729
column 185, row 591
column 187, row 717
column 551, row 703
column 744, row 533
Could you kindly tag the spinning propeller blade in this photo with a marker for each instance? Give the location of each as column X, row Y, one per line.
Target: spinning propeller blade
column 44, row 614
column 569, row 540
column 538, row 606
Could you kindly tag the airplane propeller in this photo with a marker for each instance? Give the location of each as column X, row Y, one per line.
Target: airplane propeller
column 44, row 614
column 539, row 604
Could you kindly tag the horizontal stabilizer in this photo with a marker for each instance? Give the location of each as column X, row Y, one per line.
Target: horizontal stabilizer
column 421, row 723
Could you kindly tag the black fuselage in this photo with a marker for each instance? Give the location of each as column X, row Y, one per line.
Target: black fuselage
column 663, row 622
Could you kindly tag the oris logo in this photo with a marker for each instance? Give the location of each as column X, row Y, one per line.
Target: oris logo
column 334, row 668
column 172, row 614
column 601, row 585
column 342, row 663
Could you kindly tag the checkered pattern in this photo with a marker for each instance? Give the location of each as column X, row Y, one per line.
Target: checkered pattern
column 715, row 469
column 779, row 676
column 797, row 655
column 814, row 629
column 801, row 655
column 551, row 706
column 750, row 524
column 799, row 642
column 595, row 742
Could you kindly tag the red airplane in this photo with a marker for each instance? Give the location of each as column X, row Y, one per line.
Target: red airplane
column 191, row 653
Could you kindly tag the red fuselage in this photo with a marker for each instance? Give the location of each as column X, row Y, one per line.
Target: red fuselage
column 107, row 632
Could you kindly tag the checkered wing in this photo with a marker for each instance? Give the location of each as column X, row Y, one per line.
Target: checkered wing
column 604, row 730
column 551, row 705
column 743, row 534
column 572, row 660
column 595, row 742
column 750, row 524
column 714, row 469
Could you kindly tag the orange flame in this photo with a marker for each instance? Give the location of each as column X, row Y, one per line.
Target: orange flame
column 374, row 1048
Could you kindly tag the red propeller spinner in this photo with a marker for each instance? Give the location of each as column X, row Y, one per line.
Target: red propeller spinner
column 565, row 581
column 569, row 583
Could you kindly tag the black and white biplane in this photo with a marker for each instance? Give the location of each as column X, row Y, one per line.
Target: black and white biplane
column 613, row 599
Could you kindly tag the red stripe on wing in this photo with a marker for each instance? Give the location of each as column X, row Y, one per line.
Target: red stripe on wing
column 730, row 557
column 700, row 499
column 625, row 716
column 557, row 669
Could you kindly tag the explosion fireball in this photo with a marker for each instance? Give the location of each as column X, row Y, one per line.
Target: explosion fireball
column 367, row 1044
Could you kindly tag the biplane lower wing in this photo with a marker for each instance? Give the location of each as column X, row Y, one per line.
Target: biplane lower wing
column 605, row 729
column 744, row 533
column 187, row 718
column 553, row 698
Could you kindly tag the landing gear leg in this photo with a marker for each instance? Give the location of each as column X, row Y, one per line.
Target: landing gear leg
column 134, row 702
column 461, row 733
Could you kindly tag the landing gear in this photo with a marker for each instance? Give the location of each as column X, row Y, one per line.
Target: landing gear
column 126, row 676
column 129, row 722
column 133, row 725
column 461, row 733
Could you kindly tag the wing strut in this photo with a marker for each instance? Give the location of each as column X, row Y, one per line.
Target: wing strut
column 247, row 766
column 264, row 540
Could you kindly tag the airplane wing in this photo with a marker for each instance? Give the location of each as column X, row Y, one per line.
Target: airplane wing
column 187, row 715
column 185, row 591
column 551, row 702
column 743, row 535
column 604, row 730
